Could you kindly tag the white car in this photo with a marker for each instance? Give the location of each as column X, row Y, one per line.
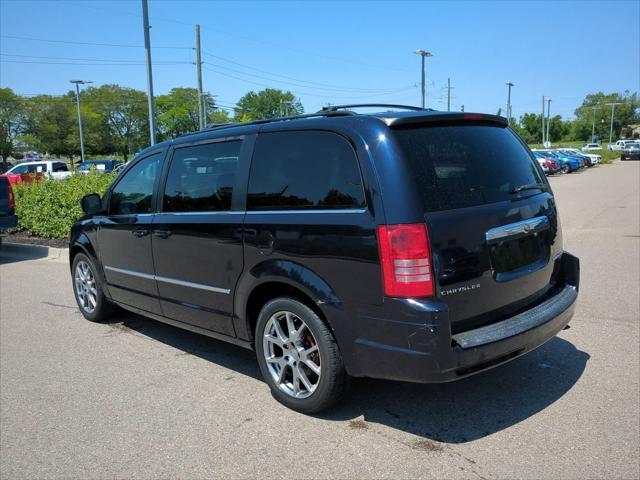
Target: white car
column 619, row 145
column 595, row 158
column 543, row 164
column 588, row 147
column 51, row 168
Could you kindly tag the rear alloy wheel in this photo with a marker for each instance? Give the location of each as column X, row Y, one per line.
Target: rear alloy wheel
column 566, row 168
column 298, row 356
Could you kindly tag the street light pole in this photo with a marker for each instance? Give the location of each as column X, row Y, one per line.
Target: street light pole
column 613, row 108
column 509, row 84
column 543, row 142
column 147, row 46
column 548, row 117
column 593, row 125
column 201, row 108
column 78, row 83
column 424, row 55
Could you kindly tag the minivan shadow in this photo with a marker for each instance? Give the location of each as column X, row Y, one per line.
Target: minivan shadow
column 454, row 412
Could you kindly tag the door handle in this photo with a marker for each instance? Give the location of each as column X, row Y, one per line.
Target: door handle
column 162, row 233
column 140, row 232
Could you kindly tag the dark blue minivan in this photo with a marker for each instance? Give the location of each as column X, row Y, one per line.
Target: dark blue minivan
column 409, row 245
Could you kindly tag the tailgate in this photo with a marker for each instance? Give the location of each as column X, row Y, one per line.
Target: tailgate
column 491, row 217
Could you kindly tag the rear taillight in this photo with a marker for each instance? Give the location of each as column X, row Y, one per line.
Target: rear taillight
column 10, row 197
column 406, row 260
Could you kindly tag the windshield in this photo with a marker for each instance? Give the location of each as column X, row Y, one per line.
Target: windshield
column 457, row 166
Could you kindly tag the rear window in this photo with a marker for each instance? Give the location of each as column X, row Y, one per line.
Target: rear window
column 457, row 166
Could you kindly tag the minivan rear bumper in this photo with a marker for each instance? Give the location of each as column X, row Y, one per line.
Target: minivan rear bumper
column 431, row 354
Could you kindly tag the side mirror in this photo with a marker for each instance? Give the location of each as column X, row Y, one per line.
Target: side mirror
column 91, row 204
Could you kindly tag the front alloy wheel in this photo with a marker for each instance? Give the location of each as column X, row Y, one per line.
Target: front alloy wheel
column 86, row 289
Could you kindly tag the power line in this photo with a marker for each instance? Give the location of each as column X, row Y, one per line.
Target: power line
column 121, row 60
column 93, row 44
column 311, row 83
column 91, row 64
column 297, row 84
column 304, row 93
column 250, row 39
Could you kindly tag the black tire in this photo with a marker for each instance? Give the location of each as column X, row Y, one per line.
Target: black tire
column 565, row 168
column 333, row 379
column 103, row 308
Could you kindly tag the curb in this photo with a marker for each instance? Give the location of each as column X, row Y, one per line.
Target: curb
column 37, row 251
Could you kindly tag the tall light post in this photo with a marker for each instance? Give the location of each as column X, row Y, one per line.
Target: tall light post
column 78, row 83
column 593, row 125
column 548, row 117
column 424, row 55
column 509, row 84
column 613, row 109
column 147, row 46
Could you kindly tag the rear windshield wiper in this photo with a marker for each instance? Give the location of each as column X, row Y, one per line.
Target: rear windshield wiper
column 529, row 186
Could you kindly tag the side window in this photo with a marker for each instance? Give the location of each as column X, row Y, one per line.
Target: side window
column 20, row 169
column 304, row 171
column 60, row 167
column 39, row 168
column 132, row 194
column 201, row 178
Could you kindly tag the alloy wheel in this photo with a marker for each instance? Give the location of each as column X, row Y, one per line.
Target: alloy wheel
column 291, row 354
column 86, row 289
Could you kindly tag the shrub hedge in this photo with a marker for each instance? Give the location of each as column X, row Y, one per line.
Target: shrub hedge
column 49, row 208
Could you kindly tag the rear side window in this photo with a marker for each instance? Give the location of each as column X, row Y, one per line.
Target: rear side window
column 133, row 193
column 60, row 167
column 458, row 166
column 304, row 171
column 201, row 178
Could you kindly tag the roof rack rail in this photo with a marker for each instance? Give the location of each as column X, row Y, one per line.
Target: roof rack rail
column 333, row 108
column 329, row 113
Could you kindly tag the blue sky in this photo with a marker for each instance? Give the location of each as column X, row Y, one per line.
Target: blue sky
column 338, row 52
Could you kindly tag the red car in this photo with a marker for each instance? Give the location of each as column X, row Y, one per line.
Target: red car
column 551, row 163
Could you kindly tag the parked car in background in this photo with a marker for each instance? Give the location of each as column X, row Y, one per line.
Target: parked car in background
column 631, row 151
column 591, row 147
column 566, row 163
column 619, row 145
column 547, row 161
column 8, row 218
column 337, row 244
column 49, row 168
column 594, row 157
column 586, row 160
column 102, row 166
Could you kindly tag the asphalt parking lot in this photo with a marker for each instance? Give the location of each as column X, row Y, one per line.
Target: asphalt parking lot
column 139, row 399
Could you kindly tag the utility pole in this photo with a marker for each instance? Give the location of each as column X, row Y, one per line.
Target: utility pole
column 548, row 117
column 593, row 125
column 424, row 55
column 448, row 94
column 509, row 84
column 543, row 142
column 147, row 46
column 201, row 103
column 462, row 108
column 201, row 107
column 613, row 109
column 78, row 83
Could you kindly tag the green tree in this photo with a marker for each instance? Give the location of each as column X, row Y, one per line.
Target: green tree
column 11, row 120
column 177, row 112
column 51, row 124
column 122, row 113
column 597, row 106
column 219, row 116
column 268, row 103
